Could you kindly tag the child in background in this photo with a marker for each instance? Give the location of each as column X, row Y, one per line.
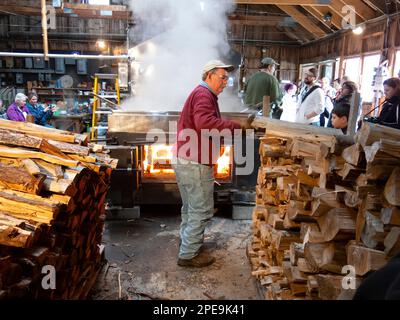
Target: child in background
column 289, row 103
column 340, row 117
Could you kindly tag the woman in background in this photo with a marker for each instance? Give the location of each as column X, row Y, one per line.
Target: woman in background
column 18, row 111
column 390, row 114
column 344, row 97
column 41, row 114
column 289, row 103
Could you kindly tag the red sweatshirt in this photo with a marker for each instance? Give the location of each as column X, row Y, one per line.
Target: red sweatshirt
column 201, row 111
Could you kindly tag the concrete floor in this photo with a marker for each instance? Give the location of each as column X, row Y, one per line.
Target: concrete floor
column 142, row 256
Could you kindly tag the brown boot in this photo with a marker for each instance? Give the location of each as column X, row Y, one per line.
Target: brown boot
column 199, row 261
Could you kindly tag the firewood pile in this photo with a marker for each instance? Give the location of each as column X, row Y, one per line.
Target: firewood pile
column 53, row 185
column 324, row 202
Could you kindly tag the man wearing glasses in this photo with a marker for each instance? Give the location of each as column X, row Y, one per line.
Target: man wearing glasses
column 194, row 160
column 311, row 100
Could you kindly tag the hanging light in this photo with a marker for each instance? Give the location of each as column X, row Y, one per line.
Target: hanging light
column 358, row 30
column 101, row 44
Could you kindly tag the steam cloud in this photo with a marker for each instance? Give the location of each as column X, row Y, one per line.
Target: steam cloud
column 188, row 34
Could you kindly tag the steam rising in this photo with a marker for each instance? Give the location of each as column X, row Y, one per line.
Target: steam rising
column 184, row 35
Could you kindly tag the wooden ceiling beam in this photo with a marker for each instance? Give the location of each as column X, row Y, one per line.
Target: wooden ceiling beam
column 286, row 2
column 318, row 15
column 77, row 9
column 336, row 19
column 303, row 20
column 254, row 20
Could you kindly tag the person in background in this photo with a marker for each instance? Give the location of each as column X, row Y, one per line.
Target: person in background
column 340, row 117
column 330, row 94
column 18, row 111
column 345, row 94
column 289, row 103
column 194, row 158
column 41, row 114
column 263, row 83
column 311, row 100
column 390, row 113
column 336, row 85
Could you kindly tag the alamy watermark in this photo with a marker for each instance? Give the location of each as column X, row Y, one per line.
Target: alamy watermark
column 204, row 147
column 349, row 280
column 49, row 280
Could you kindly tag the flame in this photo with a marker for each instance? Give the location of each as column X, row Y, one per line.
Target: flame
column 223, row 163
column 158, row 160
column 158, row 156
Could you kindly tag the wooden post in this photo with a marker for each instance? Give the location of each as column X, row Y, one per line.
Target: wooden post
column 353, row 115
column 44, row 30
column 30, row 118
column 266, row 106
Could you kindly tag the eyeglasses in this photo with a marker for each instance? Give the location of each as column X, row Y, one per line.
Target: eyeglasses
column 223, row 77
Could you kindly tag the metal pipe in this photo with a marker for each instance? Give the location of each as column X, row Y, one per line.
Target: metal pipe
column 60, row 55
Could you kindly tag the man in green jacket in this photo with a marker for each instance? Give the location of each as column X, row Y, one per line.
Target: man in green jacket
column 263, row 83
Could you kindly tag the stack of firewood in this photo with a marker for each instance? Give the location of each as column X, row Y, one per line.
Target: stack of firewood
column 53, row 185
column 324, row 202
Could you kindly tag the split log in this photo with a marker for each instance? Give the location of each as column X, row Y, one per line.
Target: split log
column 350, row 172
column 295, row 130
column 390, row 215
column 392, row 188
column 325, row 256
column 329, row 286
column 304, row 266
column 354, row 155
column 371, row 132
column 392, row 242
column 24, row 154
column 365, row 259
column 43, row 132
column 19, row 179
column 51, row 170
column 28, row 206
column 373, row 232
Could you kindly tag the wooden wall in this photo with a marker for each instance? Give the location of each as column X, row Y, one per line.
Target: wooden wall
column 287, row 57
column 378, row 37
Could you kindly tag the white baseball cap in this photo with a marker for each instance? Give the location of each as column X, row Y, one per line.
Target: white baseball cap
column 217, row 64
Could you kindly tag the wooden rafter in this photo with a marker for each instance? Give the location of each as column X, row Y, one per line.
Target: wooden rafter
column 254, row 20
column 322, row 11
column 84, row 11
column 318, row 15
column 303, row 20
column 285, row 2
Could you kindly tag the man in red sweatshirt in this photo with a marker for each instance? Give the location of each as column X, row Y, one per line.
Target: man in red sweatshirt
column 195, row 154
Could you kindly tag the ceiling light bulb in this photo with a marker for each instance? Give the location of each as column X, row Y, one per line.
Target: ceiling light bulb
column 101, row 44
column 358, row 30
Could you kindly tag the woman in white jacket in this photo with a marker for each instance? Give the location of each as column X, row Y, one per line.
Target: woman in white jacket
column 289, row 103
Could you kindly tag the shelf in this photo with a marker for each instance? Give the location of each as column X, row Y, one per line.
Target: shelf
column 54, row 88
column 27, row 70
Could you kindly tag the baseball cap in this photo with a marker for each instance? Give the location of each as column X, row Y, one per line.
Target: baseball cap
column 269, row 60
column 217, row 64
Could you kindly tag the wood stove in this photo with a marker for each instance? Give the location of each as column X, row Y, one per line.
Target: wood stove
column 145, row 175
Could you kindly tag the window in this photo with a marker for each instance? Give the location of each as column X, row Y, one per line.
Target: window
column 369, row 66
column 352, row 69
column 100, row 2
column 396, row 70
